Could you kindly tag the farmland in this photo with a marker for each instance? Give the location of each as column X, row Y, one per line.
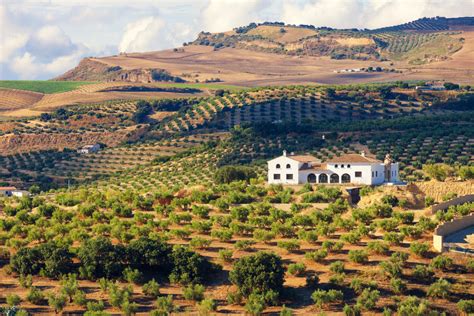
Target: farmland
column 46, row 87
column 142, row 177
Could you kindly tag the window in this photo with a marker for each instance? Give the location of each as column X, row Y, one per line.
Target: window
column 288, row 166
column 335, row 166
column 358, row 174
column 276, row 176
column 289, row 177
column 342, row 166
column 373, row 174
column 348, row 166
column 376, row 173
column 278, row 166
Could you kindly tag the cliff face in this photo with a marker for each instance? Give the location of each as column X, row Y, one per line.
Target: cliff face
column 91, row 70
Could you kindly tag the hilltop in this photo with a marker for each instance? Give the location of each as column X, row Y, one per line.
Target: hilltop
column 276, row 53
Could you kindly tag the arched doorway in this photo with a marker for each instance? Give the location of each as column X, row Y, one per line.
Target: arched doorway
column 323, row 178
column 345, row 178
column 334, row 178
column 311, row 178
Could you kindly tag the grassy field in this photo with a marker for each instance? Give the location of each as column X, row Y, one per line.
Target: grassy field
column 42, row 86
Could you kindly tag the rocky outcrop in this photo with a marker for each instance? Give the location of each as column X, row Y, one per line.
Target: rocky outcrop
column 93, row 70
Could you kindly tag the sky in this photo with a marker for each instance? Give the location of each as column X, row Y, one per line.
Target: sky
column 40, row 39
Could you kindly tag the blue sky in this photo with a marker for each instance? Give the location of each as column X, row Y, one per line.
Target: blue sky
column 40, row 39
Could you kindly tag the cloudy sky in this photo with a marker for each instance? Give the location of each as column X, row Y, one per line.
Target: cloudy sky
column 40, row 39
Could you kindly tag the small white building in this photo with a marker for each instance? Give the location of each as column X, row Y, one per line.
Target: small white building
column 348, row 168
column 88, row 149
column 7, row 191
column 20, row 193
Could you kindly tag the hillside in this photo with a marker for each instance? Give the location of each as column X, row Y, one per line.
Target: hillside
column 274, row 53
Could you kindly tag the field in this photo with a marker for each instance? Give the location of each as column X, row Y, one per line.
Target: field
column 375, row 259
column 45, row 87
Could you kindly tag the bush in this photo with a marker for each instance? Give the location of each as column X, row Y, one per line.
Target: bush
column 225, row 255
column 420, row 249
column 442, row 262
column 317, row 255
column 390, row 200
column 164, row 306
column 99, row 258
column 207, row 306
column 398, row 286
column 13, row 300
column 189, row 267
column 151, row 288
column 440, row 288
column 228, row 174
column 438, row 171
column 194, row 292
column 422, row 272
column 413, row 306
column 368, row 299
column 289, row 245
column 132, row 276
column 258, row 273
column 358, row 256
column 297, row 269
column 322, row 297
column 466, row 306
column 255, row 304
column 429, row 201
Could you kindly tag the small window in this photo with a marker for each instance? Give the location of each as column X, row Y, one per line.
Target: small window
column 348, row 166
column 278, row 166
column 288, row 166
column 289, row 177
column 358, row 174
column 342, row 166
column 335, row 166
column 376, row 173
column 373, row 174
column 276, row 176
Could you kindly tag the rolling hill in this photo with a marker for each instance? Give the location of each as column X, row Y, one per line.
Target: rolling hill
column 272, row 53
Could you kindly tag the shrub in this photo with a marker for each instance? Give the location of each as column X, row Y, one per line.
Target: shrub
column 13, row 300
column 378, row 247
column 207, row 306
column 99, row 258
column 422, row 272
column 297, row 268
column 368, row 299
column 151, row 288
column 429, row 201
column 390, row 200
column 337, row 267
column 225, row 255
column 189, row 267
column 228, row 174
column 466, row 306
column 317, row 255
column 258, row 273
column 398, row 286
column 79, row 298
column 438, row 171
column 358, row 256
column 440, row 288
column 57, row 302
column 285, row 311
column 132, row 276
column 255, row 304
column 194, row 292
column 289, row 245
column 322, row 297
column 164, row 306
column 442, row 262
column 413, row 306
column 420, row 249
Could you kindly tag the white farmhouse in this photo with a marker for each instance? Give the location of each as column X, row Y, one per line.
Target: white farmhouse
column 88, row 149
column 348, row 168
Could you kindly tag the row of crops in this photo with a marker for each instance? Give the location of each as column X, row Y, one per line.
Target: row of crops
column 404, row 42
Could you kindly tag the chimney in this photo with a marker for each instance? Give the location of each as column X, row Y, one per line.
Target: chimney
column 284, row 153
column 362, row 153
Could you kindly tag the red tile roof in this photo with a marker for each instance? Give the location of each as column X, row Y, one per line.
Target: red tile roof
column 7, row 188
column 304, row 158
column 353, row 158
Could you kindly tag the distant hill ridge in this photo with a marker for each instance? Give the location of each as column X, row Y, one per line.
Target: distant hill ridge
column 419, row 42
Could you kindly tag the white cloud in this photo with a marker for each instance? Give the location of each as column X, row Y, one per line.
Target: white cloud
column 153, row 33
column 224, row 15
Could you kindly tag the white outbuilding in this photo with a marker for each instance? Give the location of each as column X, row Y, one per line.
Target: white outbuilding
column 345, row 169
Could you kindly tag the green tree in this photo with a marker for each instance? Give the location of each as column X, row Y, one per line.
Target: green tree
column 57, row 302
column 258, row 273
column 228, row 174
column 99, row 258
column 189, row 267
